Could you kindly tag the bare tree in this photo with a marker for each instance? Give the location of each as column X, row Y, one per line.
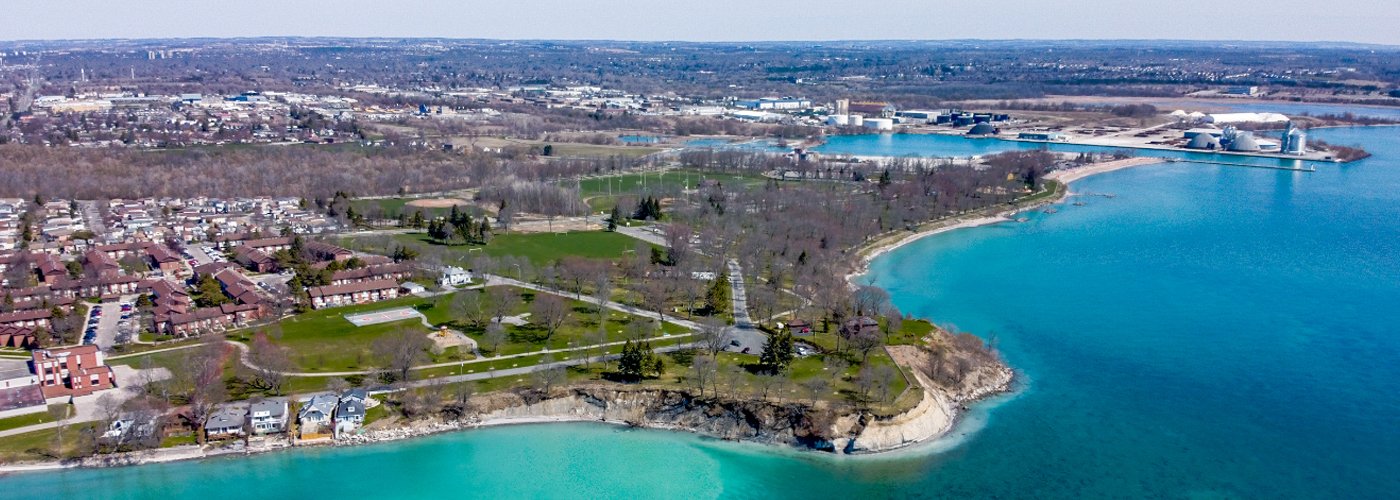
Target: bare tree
column 549, row 311
column 504, row 300
column 703, row 372
column 399, row 351
column 546, row 378
column 204, row 373
column 470, row 305
column 271, row 363
column 816, row 388
column 495, row 336
column 714, row 334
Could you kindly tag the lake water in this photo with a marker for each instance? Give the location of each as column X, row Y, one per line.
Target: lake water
column 1210, row 332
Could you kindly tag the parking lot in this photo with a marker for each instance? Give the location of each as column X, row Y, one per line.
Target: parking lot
column 111, row 323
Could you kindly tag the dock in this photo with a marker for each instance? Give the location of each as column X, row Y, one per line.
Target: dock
column 1233, row 164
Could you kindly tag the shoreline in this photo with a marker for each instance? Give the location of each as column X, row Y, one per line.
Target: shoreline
column 953, row 409
column 936, row 409
column 1063, row 177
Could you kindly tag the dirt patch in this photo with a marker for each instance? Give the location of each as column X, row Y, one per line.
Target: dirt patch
column 437, row 202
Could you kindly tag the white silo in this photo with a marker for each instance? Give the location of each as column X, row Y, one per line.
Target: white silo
column 857, row 121
column 838, row 120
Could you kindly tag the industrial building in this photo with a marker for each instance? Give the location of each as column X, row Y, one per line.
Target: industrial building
column 1294, row 141
column 775, row 104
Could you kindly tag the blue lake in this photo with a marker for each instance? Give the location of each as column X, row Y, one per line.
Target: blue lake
column 1211, row 332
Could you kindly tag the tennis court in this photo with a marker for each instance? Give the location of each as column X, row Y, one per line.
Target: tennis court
column 385, row 316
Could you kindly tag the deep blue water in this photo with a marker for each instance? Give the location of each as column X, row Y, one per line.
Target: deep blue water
column 1209, row 332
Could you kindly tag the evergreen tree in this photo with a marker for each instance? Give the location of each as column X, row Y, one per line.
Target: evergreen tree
column 717, row 297
column 777, row 351
column 612, row 218
column 633, row 362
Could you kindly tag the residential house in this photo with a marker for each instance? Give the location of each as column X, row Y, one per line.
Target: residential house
column 226, row 421
column 315, row 416
column 454, row 276
column 349, row 415
column 268, row 416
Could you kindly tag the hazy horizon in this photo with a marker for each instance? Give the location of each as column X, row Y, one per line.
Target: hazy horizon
column 1342, row 21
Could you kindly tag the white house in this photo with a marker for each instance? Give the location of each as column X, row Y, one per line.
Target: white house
column 454, row 276
column 268, row 416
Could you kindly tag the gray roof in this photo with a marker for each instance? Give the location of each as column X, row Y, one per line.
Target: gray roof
column 350, row 408
column 357, row 394
column 983, row 128
column 324, row 404
column 276, row 407
column 225, row 418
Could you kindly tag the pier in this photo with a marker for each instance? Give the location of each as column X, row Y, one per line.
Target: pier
column 1233, row 164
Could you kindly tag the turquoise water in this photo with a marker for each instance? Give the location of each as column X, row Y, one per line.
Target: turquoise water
column 1209, row 332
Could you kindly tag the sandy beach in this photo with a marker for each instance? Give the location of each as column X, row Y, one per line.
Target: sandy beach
column 1074, row 174
column 938, row 227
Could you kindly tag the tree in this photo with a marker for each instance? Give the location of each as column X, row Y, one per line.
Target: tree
column 548, row 377
column 495, row 336
column 703, row 372
column 816, row 387
column 717, row 298
column 865, row 340
column 549, row 311
column 469, row 304
column 633, row 363
column 613, row 218
column 270, row 361
column 777, row 352
column 714, row 334
column 203, row 374
column 208, row 293
column 504, row 299
column 401, row 350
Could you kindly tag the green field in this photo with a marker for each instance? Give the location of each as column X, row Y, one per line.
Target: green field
column 541, row 248
column 531, row 337
column 323, row 340
column 391, row 208
column 602, row 193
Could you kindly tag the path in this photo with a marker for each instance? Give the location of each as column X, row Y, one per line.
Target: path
column 525, row 370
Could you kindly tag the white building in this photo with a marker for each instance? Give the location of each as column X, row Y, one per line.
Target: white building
column 454, row 276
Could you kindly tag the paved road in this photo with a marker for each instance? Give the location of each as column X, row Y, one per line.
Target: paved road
column 743, row 330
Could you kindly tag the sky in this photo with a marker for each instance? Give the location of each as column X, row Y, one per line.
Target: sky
column 1368, row 21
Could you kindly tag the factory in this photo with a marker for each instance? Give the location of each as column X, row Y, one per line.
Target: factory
column 775, row 104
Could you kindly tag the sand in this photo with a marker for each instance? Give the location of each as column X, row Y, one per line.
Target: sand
column 1074, row 174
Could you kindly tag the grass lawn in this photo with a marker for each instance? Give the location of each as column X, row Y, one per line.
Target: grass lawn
column 39, row 445
column 178, row 440
column 16, row 422
column 582, row 320
column 541, row 248
column 170, row 360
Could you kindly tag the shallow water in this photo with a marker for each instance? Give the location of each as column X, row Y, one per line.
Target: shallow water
column 1209, row 332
